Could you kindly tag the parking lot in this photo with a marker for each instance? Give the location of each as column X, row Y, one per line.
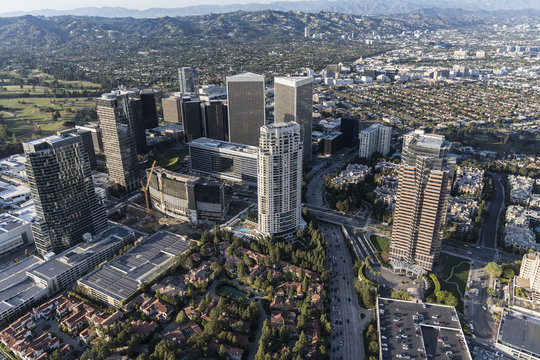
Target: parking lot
column 410, row 330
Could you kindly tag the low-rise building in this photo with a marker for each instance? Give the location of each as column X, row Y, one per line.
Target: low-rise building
column 461, row 211
column 521, row 237
column 469, row 181
column 353, row 174
column 517, row 335
column 14, row 233
column 414, row 330
column 120, row 278
column 67, row 267
column 520, row 188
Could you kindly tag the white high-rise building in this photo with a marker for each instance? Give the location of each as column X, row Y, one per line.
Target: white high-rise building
column 279, row 178
column 375, row 138
column 307, row 32
column 530, row 270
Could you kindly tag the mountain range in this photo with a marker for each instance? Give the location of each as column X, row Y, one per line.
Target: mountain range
column 355, row 7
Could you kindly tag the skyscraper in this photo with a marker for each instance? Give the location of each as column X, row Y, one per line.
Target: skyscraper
column 349, row 128
column 148, row 109
column 191, row 119
column 119, row 142
column 279, row 178
column 216, row 120
column 293, row 101
column 188, row 80
column 375, row 138
column 136, row 118
column 60, row 179
column 172, row 111
column 245, row 98
column 425, row 181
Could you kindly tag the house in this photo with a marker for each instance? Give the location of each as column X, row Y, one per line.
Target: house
column 143, row 328
column 279, row 318
column 283, row 289
column 159, row 309
column 139, row 300
column 84, row 336
column 200, row 274
column 181, row 334
column 233, row 353
column 282, row 303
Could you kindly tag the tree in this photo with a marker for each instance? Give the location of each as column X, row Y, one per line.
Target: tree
column 493, row 270
column 401, row 295
column 216, row 269
column 55, row 355
column 166, row 350
column 222, row 351
column 4, row 132
column 181, row 318
column 284, row 334
column 508, row 273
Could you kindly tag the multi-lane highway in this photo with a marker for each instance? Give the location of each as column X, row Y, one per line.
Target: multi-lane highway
column 345, row 312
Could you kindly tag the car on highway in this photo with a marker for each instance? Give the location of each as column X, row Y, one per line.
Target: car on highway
column 484, row 307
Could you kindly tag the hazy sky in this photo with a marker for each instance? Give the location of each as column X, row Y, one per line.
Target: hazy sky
column 27, row 5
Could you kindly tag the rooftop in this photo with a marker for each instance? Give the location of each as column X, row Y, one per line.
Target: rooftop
column 224, row 145
column 121, row 277
column 293, row 80
column 9, row 222
column 75, row 255
column 520, row 331
column 247, row 76
column 431, row 141
column 415, row 329
column 49, row 142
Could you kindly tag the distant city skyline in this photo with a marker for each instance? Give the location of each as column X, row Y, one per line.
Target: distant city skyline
column 32, row 5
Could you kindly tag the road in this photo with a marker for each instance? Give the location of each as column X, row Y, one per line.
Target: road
column 315, row 188
column 488, row 236
column 480, row 254
column 345, row 315
column 481, row 319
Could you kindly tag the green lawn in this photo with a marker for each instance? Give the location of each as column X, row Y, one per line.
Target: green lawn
column 30, row 121
column 379, row 242
column 382, row 245
column 461, row 273
column 170, row 159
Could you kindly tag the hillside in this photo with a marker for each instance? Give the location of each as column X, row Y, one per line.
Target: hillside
column 356, row 7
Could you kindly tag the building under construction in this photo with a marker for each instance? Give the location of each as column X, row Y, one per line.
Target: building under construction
column 187, row 197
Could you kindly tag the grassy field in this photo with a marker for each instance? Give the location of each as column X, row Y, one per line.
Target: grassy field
column 459, row 277
column 62, row 84
column 382, row 245
column 170, row 159
column 379, row 242
column 30, row 117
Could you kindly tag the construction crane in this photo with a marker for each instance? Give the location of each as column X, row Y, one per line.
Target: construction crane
column 144, row 189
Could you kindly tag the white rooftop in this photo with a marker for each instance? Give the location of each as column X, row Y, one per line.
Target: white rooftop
column 247, row 76
column 294, row 81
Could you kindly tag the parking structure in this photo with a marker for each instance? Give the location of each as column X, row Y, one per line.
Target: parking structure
column 416, row 330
